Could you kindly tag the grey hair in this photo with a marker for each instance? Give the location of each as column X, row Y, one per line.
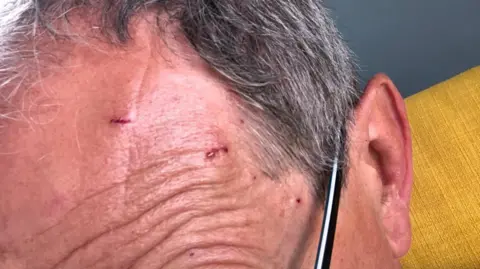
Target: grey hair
column 285, row 59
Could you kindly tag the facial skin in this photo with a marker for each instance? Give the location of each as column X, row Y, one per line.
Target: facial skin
column 137, row 157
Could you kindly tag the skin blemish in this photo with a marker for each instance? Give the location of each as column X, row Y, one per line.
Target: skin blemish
column 242, row 121
column 213, row 153
column 124, row 119
column 121, row 121
column 299, row 201
column 192, row 254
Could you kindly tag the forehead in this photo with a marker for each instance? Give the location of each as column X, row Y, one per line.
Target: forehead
column 155, row 76
column 101, row 113
column 153, row 90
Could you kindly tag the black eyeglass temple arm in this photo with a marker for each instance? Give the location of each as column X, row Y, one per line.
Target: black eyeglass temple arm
column 325, row 246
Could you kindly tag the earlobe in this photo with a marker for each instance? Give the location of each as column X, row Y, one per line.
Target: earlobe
column 396, row 222
column 390, row 148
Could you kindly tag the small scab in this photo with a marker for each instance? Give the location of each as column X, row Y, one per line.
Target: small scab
column 299, row 201
column 211, row 154
column 192, row 254
column 121, row 121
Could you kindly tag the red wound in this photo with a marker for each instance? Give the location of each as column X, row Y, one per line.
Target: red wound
column 211, row 154
column 120, row 121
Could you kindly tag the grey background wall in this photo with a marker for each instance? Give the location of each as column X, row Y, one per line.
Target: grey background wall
column 418, row 43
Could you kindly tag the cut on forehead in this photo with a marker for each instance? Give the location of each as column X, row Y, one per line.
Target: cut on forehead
column 286, row 62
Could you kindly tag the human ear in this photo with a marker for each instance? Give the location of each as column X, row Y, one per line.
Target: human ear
column 386, row 137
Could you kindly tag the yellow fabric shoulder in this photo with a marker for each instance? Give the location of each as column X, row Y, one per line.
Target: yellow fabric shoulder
column 445, row 122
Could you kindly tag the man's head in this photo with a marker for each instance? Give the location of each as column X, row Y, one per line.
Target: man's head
column 192, row 134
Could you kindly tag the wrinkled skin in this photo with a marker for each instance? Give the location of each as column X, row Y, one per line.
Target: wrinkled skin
column 137, row 157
